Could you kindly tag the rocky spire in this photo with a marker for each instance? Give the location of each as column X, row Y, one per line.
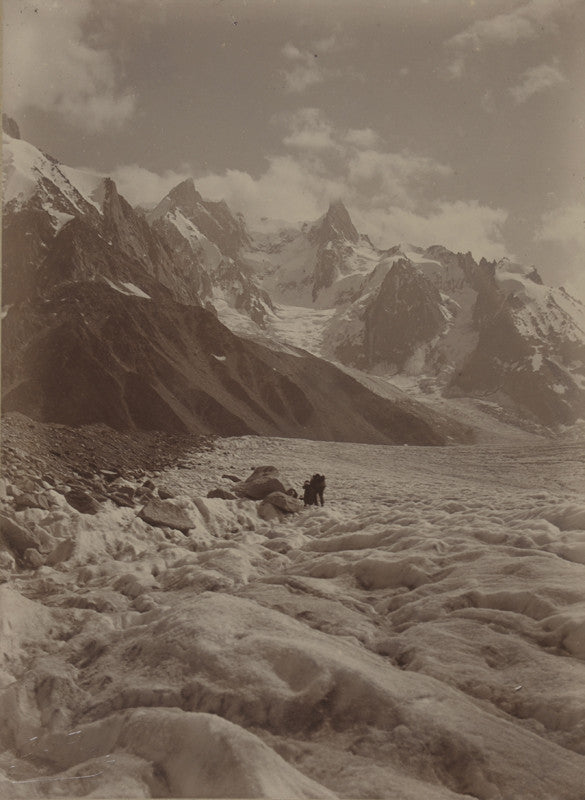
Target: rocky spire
column 335, row 225
column 185, row 195
column 10, row 126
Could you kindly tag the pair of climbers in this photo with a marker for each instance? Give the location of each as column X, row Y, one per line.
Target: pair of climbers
column 313, row 490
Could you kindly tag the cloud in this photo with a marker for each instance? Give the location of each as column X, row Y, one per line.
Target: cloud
column 562, row 230
column 48, row 65
column 535, row 80
column 142, row 187
column 289, row 189
column 461, row 226
column 308, row 130
column 305, row 67
column 363, row 138
column 456, row 68
column 565, row 225
column 392, row 196
column 385, row 177
column 528, row 21
column 386, row 192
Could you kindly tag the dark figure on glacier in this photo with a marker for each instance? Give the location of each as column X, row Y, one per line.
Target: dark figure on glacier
column 313, row 490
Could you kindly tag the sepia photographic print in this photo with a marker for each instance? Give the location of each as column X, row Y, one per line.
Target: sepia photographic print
column 292, row 501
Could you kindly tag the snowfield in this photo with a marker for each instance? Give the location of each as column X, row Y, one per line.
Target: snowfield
column 420, row 637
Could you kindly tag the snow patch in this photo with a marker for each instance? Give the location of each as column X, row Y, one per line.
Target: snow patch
column 133, row 289
column 127, row 288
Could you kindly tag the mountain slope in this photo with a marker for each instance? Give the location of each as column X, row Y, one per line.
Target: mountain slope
column 426, row 318
column 62, row 225
column 101, row 324
column 91, row 354
column 209, row 232
column 432, row 317
column 531, row 345
column 315, row 264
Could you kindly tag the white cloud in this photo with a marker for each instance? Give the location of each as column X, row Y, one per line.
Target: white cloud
column 326, row 45
column 527, row 21
column 142, row 187
column 461, row 226
column 456, row 68
column 306, row 68
column 48, row 65
column 392, row 196
column 308, row 130
column 292, row 189
column 562, row 233
column 390, row 178
column 535, row 80
column 565, row 225
column 387, row 193
column 363, row 138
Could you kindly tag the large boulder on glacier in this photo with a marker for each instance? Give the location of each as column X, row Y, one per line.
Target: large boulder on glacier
column 82, row 501
column 262, row 482
column 18, row 538
column 282, row 501
column 223, row 494
column 166, row 514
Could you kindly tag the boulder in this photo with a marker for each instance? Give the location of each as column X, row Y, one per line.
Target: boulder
column 166, row 514
column 28, row 500
column 84, row 473
column 109, row 475
column 284, row 502
column 278, row 545
column 165, row 494
column 61, row 553
column 260, row 483
column 123, row 487
column 7, row 563
column 233, row 478
column 269, row 513
column 258, row 489
column 82, row 501
column 27, row 485
column 120, row 500
column 32, row 558
column 260, row 473
column 19, row 539
column 221, row 493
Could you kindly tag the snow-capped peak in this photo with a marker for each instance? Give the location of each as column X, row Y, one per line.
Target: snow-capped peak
column 27, row 171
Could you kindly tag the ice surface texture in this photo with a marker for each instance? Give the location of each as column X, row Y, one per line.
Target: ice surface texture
column 421, row 636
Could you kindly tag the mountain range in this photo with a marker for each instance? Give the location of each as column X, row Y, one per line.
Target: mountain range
column 183, row 317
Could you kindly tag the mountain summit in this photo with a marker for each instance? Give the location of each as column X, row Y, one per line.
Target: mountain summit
column 336, row 225
column 10, row 126
column 214, row 220
column 185, row 196
column 436, row 322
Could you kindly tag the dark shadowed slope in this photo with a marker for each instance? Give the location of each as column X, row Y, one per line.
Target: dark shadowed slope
column 88, row 353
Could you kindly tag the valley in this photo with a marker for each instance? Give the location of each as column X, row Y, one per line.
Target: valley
column 174, row 621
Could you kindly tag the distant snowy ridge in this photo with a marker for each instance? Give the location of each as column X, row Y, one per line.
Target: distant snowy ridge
column 434, row 322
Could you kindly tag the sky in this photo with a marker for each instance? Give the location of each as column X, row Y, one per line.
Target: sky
column 459, row 122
